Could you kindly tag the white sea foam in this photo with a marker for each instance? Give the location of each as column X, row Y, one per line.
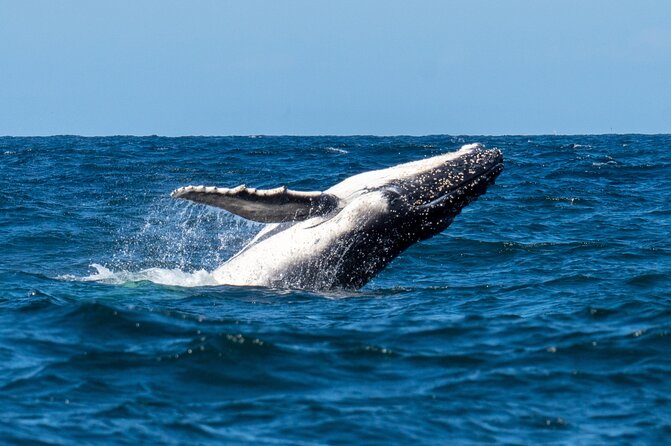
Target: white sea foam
column 161, row 276
column 335, row 150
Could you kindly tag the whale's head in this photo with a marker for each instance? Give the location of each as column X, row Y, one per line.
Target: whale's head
column 421, row 198
column 431, row 198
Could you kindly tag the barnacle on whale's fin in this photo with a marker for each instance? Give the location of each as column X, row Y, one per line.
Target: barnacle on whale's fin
column 266, row 206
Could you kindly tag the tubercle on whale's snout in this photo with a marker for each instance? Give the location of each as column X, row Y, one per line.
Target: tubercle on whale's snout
column 479, row 151
column 498, row 154
column 491, row 159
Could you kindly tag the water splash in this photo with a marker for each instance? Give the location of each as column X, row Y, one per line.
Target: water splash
column 176, row 243
column 161, row 276
column 184, row 236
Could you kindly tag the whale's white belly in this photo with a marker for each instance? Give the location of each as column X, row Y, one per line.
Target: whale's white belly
column 308, row 242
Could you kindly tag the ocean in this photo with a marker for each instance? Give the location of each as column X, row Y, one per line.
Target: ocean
column 542, row 315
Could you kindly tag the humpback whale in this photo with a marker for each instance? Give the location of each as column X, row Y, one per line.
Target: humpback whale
column 342, row 237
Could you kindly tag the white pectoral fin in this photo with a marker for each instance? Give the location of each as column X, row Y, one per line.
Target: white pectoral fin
column 266, row 206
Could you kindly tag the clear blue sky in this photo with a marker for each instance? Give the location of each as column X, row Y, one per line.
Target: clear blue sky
column 334, row 67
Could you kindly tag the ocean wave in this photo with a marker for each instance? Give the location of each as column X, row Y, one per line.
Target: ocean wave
column 540, row 315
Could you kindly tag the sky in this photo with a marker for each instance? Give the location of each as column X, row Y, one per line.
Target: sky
column 313, row 67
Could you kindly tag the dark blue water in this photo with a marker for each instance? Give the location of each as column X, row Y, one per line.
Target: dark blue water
column 542, row 315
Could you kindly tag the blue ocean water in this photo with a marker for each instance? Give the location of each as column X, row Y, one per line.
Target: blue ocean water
column 542, row 315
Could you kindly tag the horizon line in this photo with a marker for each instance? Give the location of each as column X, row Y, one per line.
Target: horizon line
column 330, row 135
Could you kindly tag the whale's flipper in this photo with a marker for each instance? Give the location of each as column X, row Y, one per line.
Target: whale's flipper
column 266, row 206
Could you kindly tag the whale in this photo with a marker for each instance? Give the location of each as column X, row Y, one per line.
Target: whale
column 342, row 237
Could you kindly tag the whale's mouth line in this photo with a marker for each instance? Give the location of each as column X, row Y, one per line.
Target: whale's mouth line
column 498, row 167
column 489, row 175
